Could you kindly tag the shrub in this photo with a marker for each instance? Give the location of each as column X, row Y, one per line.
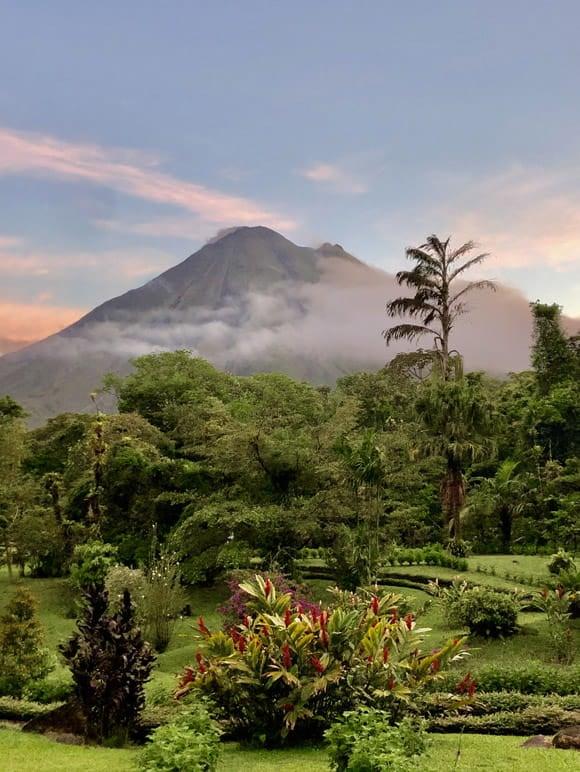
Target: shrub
column 487, row 613
column 433, row 555
column 528, row 679
column 12, row 709
column 163, row 600
column 54, row 688
column 90, row 564
column 556, row 605
column 459, row 547
column 438, row 704
column 561, row 561
column 569, row 580
column 189, row 742
column 121, row 578
column 236, row 607
column 364, row 741
column 283, row 668
column 110, row 663
column 546, row 719
column 450, row 598
column 23, row 658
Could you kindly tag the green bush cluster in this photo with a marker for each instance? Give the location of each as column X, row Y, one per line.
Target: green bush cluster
column 190, row 742
column 54, row 688
column 364, row 741
column 486, row 613
column 13, row 709
column 545, row 719
column 561, row 561
column 433, row 555
column 437, row 705
column 527, row 679
column 23, row 658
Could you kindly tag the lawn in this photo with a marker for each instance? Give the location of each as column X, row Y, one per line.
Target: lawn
column 30, row 753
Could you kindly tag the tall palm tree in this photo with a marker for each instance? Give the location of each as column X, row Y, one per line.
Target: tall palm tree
column 457, row 420
column 502, row 495
column 437, row 301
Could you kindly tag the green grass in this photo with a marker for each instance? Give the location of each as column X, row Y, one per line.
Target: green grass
column 531, row 566
column 21, row 752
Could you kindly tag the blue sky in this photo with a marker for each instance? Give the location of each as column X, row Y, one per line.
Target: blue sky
column 132, row 131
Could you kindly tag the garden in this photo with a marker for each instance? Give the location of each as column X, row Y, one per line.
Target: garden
column 252, row 572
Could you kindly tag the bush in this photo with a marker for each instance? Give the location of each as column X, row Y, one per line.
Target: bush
column 561, row 561
column 23, row 658
column 163, row 600
column 459, row 547
column 547, row 719
column 189, row 744
column 364, row 741
column 433, row 555
column 121, row 578
column 236, row 607
column 487, row 613
column 528, row 679
column 284, row 669
column 438, row 704
column 110, row 663
column 55, row 688
column 12, row 709
column 556, row 604
column 90, row 564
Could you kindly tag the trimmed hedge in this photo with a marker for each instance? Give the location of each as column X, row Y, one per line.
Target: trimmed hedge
column 530, row 721
column 12, row 709
column 528, row 679
column 486, row 703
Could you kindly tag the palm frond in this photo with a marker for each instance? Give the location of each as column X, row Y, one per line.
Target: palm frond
column 460, row 251
column 415, row 306
column 468, row 264
column 406, row 332
column 424, row 259
column 483, row 284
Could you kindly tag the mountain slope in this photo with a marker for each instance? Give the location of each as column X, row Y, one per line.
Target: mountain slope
column 251, row 300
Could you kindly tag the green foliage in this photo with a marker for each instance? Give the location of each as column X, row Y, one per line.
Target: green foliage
column 561, row 561
column 110, row 663
column 486, row 613
column 91, row 563
column 554, row 356
column 163, row 599
column 547, row 720
column 23, row 658
column 13, row 709
column 531, row 678
column 283, row 670
column 556, row 605
column 365, row 741
column 56, row 687
column 432, row 555
column 189, row 743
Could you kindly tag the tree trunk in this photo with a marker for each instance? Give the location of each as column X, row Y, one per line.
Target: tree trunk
column 453, row 499
column 505, row 523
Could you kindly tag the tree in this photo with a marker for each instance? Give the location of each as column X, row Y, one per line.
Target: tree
column 502, row 495
column 555, row 356
column 457, row 423
column 110, row 663
column 437, row 301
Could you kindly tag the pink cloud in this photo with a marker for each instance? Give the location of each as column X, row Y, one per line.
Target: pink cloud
column 27, row 322
column 128, row 172
column 335, row 177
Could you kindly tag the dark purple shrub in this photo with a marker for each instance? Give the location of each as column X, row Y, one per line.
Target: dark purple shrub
column 235, row 607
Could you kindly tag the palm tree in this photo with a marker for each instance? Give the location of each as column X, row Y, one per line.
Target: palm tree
column 437, row 301
column 457, row 421
column 502, row 495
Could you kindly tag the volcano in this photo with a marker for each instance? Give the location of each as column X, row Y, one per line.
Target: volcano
column 249, row 301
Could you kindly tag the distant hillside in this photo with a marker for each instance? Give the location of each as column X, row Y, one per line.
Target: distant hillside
column 248, row 301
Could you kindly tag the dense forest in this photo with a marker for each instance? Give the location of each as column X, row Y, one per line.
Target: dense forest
column 226, row 469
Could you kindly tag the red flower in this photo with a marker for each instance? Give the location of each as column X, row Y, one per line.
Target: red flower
column 324, row 619
column 409, row 619
column 317, row 664
column 394, row 616
column 202, row 627
column 266, row 631
column 391, row 683
column 287, row 617
column 187, row 677
column 287, row 707
column 467, row 685
column 268, row 587
column 375, row 605
column 324, row 639
column 299, row 608
column 435, row 666
column 247, row 621
column 200, row 662
column 242, row 644
column 315, row 614
column 385, row 654
column 286, row 656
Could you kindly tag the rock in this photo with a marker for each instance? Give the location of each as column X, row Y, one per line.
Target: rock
column 538, row 741
column 568, row 738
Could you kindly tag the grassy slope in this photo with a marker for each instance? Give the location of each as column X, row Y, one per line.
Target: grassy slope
column 29, row 753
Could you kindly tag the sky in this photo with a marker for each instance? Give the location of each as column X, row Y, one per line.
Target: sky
column 131, row 132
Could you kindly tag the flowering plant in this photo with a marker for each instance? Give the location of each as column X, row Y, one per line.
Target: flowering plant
column 284, row 668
